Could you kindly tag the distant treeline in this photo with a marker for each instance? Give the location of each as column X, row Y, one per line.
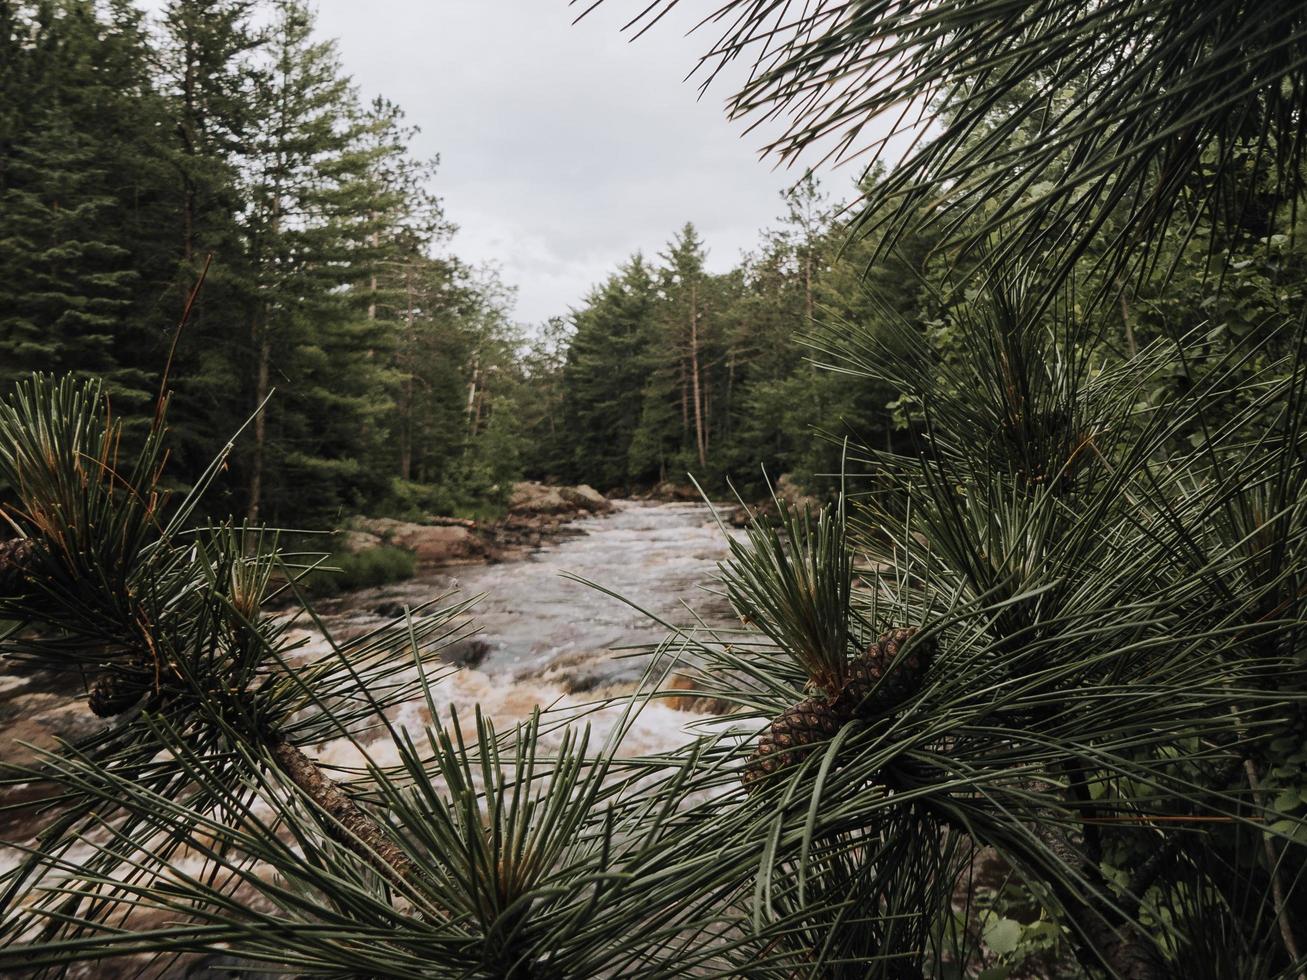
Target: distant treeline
column 668, row 369
column 133, row 149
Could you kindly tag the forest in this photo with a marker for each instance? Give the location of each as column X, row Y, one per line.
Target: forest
column 223, row 143
column 1017, row 687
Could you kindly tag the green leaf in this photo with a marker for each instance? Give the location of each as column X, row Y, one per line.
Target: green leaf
column 1003, row 935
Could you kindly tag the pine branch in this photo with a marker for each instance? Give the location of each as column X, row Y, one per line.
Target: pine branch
column 353, row 828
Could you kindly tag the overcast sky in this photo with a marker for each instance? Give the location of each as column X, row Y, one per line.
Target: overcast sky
column 563, row 148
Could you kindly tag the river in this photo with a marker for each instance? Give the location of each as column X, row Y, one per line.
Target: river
column 552, row 641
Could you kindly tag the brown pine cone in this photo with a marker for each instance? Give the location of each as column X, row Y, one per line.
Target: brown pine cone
column 792, row 735
column 15, row 560
column 798, row 729
column 113, row 693
column 866, row 671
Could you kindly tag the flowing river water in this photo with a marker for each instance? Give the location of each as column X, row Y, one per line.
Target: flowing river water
column 543, row 639
column 546, row 639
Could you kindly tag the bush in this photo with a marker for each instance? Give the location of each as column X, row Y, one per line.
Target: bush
column 361, row 570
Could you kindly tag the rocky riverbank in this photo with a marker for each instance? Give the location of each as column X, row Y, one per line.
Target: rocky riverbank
column 536, row 511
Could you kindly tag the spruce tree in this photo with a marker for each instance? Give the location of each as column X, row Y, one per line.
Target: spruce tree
column 79, row 178
column 604, row 376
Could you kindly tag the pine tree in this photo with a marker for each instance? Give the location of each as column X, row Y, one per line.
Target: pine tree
column 206, row 57
column 316, row 199
column 79, row 178
column 675, row 431
column 603, row 379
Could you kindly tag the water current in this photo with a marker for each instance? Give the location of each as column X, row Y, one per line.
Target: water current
column 550, row 639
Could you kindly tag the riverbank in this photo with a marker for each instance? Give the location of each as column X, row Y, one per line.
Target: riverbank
column 536, row 512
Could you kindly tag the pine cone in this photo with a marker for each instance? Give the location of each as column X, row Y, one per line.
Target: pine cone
column 15, row 558
column 114, row 693
column 796, row 730
column 866, row 671
column 792, row 735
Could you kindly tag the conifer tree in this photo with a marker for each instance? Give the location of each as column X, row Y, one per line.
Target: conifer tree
column 79, row 185
column 311, row 227
column 603, row 379
column 206, row 56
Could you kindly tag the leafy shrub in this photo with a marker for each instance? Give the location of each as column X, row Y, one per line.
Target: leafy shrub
column 360, row 570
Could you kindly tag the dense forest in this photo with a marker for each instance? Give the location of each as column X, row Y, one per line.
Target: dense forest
column 363, row 358
column 223, row 142
column 224, row 136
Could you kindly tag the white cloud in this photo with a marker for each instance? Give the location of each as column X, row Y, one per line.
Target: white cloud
column 564, row 148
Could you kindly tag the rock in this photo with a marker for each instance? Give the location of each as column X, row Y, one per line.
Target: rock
column 586, row 498
column 672, row 492
column 352, row 542
column 467, row 652
column 438, row 545
column 389, row 610
column 691, row 701
column 378, row 527
column 789, row 491
column 42, row 719
column 536, row 498
column 437, row 519
column 739, row 516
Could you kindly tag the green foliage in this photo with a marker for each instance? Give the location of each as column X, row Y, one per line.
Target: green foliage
column 224, row 135
column 359, row 570
column 642, row 387
column 1094, row 515
column 796, row 589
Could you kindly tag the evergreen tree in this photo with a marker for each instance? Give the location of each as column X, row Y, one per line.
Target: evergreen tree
column 676, row 429
column 79, row 195
column 547, row 452
column 603, row 380
column 315, row 202
column 206, row 57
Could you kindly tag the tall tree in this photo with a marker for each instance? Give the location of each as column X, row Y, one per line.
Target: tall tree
column 206, row 54
column 317, row 197
column 79, row 194
column 605, row 373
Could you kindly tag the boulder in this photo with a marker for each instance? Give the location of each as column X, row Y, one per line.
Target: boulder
column 352, row 542
column 586, row 498
column 377, row 527
column 672, row 492
column 789, row 491
column 692, row 701
column 536, row 498
column 467, row 652
column 432, row 544
column 438, row 545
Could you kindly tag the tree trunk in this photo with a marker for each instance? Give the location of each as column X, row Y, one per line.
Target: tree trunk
column 700, row 436
column 375, row 241
column 807, row 281
column 406, row 389
column 261, row 378
column 472, row 410
column 685, row 399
